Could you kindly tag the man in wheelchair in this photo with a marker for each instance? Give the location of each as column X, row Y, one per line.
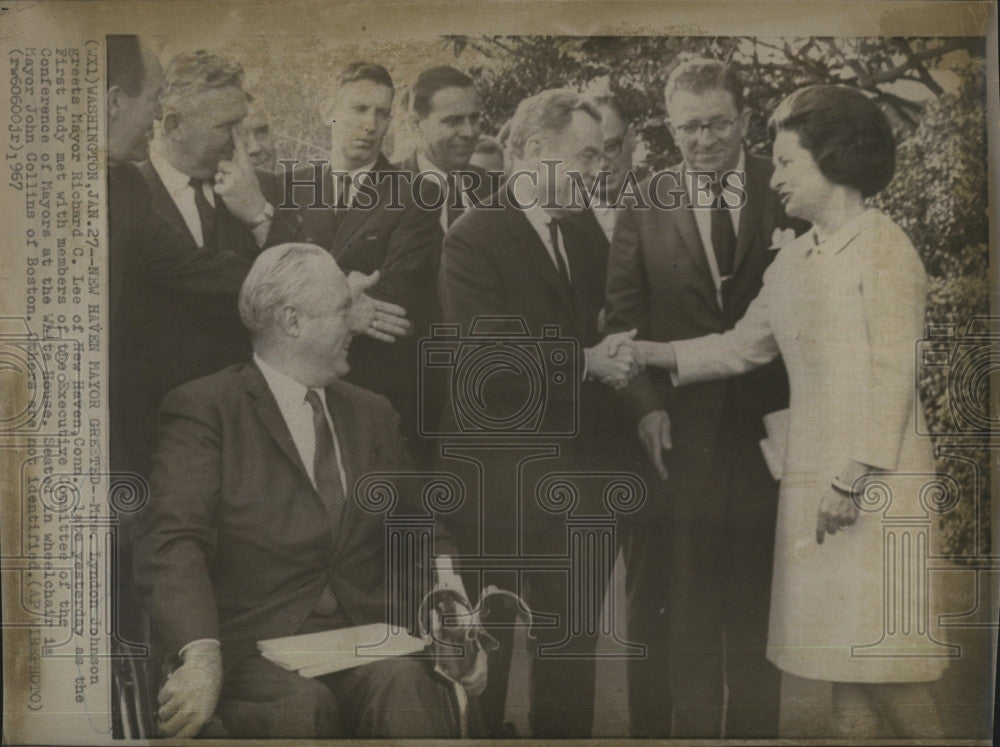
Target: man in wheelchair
column 251, row 531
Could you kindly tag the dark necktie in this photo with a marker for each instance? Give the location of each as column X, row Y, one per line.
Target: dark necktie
column 723, row 234
column 206, row 213
column 328, row 485
column 560, row 262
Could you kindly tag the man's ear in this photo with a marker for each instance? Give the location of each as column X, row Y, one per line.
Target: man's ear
column 171, row 121
column 115, row 95
column 290, row 321
column 532, row 148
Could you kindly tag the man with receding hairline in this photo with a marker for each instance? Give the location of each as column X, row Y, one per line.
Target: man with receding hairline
column 251, row 533
column 184, row 250
column 529, row 257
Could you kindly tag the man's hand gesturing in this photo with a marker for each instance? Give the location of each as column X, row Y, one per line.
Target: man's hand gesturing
column 369, row 316
column 654, row 434
column 236, row 183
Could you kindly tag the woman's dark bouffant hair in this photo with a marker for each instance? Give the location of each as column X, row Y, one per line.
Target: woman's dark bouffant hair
column 845, row 131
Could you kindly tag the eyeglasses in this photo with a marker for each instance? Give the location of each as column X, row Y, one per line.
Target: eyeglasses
column 718, row 128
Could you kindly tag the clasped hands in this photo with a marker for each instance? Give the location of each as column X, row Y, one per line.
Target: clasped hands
column 615, row 360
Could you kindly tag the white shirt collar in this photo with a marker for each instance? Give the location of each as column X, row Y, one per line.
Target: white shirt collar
column 175, row 181
column 539, row 219
column 287, row 391
column 537, row 216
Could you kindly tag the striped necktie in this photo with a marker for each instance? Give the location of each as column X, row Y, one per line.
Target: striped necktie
column 327, row 477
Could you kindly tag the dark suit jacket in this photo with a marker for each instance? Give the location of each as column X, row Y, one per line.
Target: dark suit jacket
column 401, row 242
column 173, row 304
column 430, row 194
column 234, row 542
column 190, row 334
column 494, row 263
column 659, row 282
column 480, row 186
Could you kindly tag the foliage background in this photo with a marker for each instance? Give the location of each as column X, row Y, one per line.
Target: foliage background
column 934, row 91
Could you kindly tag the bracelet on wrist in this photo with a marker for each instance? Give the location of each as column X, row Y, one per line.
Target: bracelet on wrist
column 844, row 489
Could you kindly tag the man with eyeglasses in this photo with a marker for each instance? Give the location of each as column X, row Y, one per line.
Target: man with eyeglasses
column 619, row 145
column 699, row 558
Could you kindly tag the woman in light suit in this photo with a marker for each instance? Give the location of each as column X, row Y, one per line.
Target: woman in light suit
column 843, row 304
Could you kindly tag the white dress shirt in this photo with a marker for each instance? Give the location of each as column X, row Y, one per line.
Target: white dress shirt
column 539, row 219
column 298, row 414
column 182, row 193
column 698, row 183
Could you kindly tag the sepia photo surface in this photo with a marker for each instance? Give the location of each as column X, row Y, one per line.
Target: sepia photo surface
column 463, row 370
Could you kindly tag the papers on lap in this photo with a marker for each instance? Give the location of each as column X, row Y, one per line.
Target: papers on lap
column 316, row 654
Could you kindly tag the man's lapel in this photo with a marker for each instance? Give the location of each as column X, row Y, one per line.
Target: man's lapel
column 528, row 244
column 687, row 229
column 758, row 202
column 350, row 221
column 355, row 466
column 163, row 203
column 266, row 408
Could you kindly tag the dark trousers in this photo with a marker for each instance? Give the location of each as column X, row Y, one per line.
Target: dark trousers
column 699, row 588
column 397, row 698
column 563, row 662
